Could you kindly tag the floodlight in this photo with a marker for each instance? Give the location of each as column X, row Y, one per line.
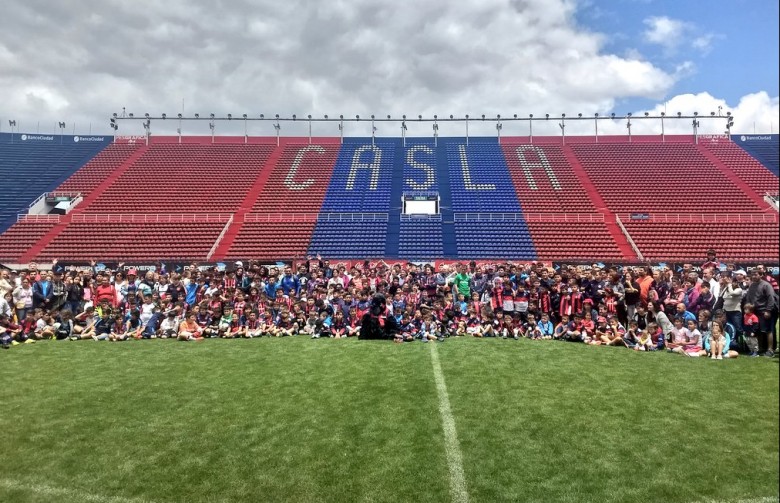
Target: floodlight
column 146, row 115
column 596, row 114
column 647, row 114
column 211, row 116
column 451, row 116
column 114, row 114
column 197, row 116
column 712, row 114
column 163, row 116
column 262, row 116
column 309, row 116
column 388, row 116
column 563, row 115
column 179, row 115
column 546, row 116
column 663, row 114
column 294, row 117
column 357, row 117
column 130, row 115
column 612, row 115
column 679, row 114
column 372, row 116
column 579, row 115
column 695, row 113
column 531, row 115
column 230, row 116
column 326, row 116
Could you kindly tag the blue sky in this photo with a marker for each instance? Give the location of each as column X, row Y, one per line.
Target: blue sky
column 732, row 45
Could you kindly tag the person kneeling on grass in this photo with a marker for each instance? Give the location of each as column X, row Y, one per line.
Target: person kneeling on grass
column 189, row 330
column 8, row 331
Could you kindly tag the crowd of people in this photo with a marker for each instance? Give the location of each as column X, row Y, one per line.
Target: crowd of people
column 710, row 311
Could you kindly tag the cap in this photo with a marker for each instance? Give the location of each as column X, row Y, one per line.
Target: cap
column 239, row 263
column 132, row 272
column 740, row 271
column 602, row 319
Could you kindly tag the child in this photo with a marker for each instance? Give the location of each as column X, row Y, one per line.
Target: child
column 473, row 326
column 532, row 330
column 338, row 328
column 190, row 329
column 677, row 336
column 693, row 336
column 588, row 327
column 574, row 330
column 353, row 325
column 614, row 334
column 254, row 326
column 225, row 321
column 169, row 325
column 561, row 328
column 716, row 342
column 633, row 334
column 310, row 328
column 118, row 332
column 600, row 332
column 545, row 327
column 750, row 326
column 644, row 342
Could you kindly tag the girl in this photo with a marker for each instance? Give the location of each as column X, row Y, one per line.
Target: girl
column 338, row 328
column 693, row 336
column 545, row 327
column 22, row 297
column 614, row 334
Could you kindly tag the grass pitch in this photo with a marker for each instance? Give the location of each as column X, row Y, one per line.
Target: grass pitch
column 346, row 420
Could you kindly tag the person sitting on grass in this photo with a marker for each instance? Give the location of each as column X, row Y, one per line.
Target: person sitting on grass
column 118, row 329
column 561, row 328
column 9, row 331
column 169, row 325
column 600, row 332
column 644, row 341
column 716, row 341
column 225, row 320
column 473, row 325
column 103, row 326
column 613, row 335
column 338, row 328
column 189, row 329
column 545, row 327
column 693, row 345
column 678, row 336
column 237, row 327
column 254, row 327
column 574, row 330
column 85, row 327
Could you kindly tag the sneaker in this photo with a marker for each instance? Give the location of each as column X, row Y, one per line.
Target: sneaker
column 770, row 354
column 74, row 337
column 30, row 341
column 14, row 343
column 713, row 357
column 315, row 336
column 754, row 354
column 719, row 357
column 517, row 337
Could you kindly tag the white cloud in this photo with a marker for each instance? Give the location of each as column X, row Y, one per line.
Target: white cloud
column 665, row 31
column 79, row 64
column 672, row 34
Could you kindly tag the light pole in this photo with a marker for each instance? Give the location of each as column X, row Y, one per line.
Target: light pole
column 531, row 128
column 596, row 123
column 11, row 124
column 562, row 125
column 467, row 130
column 309, row 129
column 277, row 127
column 435, row 131
column 341, row 129
column 695, row 125
column 628, row 126
column 61, row 125
column 729, row 123
column 403, row 131
column 499, row 126
column 663, row 132
column 373, row 131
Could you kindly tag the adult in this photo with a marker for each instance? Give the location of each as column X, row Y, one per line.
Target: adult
column 6, row 286
column 764, row 300
column 23, row 299
column 42, row 293
column 632, row 294
column 661, row 319
column 462, row 281
column 378, row 322
column 731, row 294
column 645, row 283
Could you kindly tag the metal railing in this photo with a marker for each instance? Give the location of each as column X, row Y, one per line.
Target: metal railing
column 24, row 217
column 529, row 217
column 219, row 238
column 703, row 218
column 151, row 217
column 421, row 216
column 629, row 238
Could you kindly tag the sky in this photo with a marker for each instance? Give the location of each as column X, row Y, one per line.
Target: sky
column 79, row 62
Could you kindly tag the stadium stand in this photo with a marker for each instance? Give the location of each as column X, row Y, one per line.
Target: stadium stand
column 585, row 201
column 736, row 237
column 764, row 148
column 31, row 164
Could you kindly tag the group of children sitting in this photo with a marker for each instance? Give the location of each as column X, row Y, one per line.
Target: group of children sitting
column 417, row 322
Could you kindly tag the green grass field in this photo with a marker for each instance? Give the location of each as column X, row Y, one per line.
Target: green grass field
column 347, row 420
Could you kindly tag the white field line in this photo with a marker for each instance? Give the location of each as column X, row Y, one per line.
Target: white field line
column 58, row 493
column 767, row 499
column 451, row 445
